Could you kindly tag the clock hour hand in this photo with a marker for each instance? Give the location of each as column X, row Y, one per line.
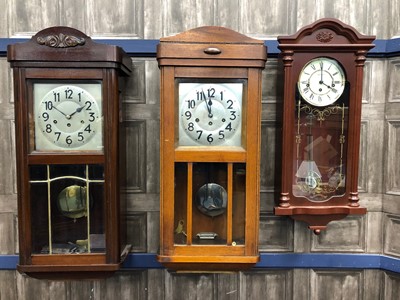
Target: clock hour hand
column 79, row 109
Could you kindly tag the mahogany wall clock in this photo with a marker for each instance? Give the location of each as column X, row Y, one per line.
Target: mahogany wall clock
column 67, row 117
column 323, row 65
column 210, row 139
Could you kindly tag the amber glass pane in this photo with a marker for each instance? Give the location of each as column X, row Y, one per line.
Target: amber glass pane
column 239, row 204
column 180, row 203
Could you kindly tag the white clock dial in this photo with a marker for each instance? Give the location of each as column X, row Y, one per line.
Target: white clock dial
column 321, row 81
column 210, row 114
column 68, row 117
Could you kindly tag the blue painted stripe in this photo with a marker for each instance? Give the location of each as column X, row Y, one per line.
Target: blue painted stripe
column 148, row 48
column 267, row 260
column 8, row 262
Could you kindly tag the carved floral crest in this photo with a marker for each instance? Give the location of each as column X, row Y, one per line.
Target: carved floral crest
column 60, row 41
column 324, row 37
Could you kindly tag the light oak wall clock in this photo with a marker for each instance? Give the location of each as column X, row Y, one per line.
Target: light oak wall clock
column 210, row 140
column 67, row 117
column 323, row 65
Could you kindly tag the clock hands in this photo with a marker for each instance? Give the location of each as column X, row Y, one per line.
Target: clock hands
column 68, row 117
column 208, row 104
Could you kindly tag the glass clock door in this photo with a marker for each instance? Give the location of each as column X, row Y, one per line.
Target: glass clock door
column 67, row 213
column 320, row 151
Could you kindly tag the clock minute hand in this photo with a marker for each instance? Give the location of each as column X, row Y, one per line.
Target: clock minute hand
column 67, row 116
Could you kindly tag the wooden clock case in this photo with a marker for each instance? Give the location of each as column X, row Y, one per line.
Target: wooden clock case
column 63, row 54
column 333, row 39
column 209, row 54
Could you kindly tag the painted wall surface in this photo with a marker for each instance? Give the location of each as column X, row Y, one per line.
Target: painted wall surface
column 377, row 232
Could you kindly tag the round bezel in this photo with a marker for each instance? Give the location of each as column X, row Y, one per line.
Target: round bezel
column 321, row 81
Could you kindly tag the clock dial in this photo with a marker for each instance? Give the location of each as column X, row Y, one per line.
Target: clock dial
column 210, row 114
column 68, row 117
column 321, row 81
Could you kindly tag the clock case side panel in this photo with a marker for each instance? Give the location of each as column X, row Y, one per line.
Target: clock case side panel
column 349, row 48
column 66, row 61
column 21, row 141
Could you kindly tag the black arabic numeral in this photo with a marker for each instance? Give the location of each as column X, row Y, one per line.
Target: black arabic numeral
column 87, row 129
column 48, row 128
column 58, row 134
column 210, row 139
column 230, row 102
column 68, row 93
column 200, row 132
column 191, row 104
column 89, row 105
column 56, row 97
column 211, row 92
column 188, row 115
column 91, row 117
column 48, row 105
column 45, row 116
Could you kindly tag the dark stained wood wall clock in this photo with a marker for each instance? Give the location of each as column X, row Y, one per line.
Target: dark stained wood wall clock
column 323, row 65
column 210, row 139
column 67, row 118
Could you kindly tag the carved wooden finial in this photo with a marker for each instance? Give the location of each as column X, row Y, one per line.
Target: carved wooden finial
column 61, row 41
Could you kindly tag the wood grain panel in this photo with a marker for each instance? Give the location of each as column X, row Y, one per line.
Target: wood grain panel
column 263, row 19
column 124, row 285
column 391, row 234
column 180, row 15
column 136, row 156
column 272, row 82
column 391, row 286
column 392, row 177
column 7, row 233
column 273, row 284
column 8, row 286
column 363, row 163
column 196, row 286
column 276, row 233
column 28, row 17
column 394, row 73
column 346, row 235
column 136, row 231
column 115, row 19
column 134, row 87
column 268, row 158
column 335, row 284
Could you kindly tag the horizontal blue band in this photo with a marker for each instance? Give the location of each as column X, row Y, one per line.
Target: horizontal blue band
column 148, row 48
column 267, row 260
